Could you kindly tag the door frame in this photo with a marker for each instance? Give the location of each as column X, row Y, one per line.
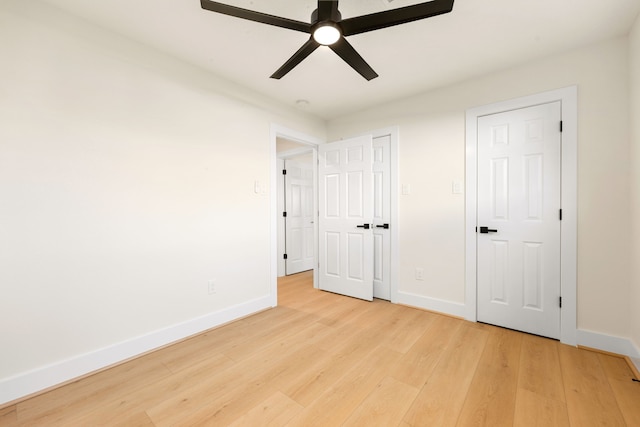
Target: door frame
column 302, row 138
column 569, row 177
column 277, row 131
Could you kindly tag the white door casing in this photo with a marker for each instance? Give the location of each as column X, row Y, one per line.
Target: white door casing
column 299, row 234
column 345, row 216
column 568, row 98
column 518, row 240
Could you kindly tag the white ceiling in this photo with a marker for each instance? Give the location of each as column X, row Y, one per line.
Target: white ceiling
column 478, row 37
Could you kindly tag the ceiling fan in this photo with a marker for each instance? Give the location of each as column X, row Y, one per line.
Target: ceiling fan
column 327, row 28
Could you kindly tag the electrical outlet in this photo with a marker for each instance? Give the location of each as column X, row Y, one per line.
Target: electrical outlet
column 212, row 287
column 419, row 273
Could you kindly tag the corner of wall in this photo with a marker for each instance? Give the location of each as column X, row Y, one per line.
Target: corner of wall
column 634, row 76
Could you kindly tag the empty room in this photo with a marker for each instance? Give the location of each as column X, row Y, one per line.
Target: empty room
column 312, row 212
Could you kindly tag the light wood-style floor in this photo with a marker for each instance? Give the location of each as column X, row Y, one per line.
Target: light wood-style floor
column 321, row 359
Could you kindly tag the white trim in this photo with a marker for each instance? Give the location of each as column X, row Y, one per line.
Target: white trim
column 34, row 381
column 294, row 152
column 282, row 268
column 432, row 304
column 569, row 100
column 612, row 344
column 302, row 138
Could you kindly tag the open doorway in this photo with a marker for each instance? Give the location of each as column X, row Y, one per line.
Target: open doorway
column 298, row 141
column 291, row 144
column 295, row 191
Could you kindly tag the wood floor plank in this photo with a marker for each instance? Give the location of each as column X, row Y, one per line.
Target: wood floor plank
column 318, row 378
column 126, row 402
column 276, row 411
column 221, row 410
column 343, row 337
column 9, row 416
column 357, row 341
column 384, row 406
column 80, row 395
column 417, row 365
column 263, row 363
column 491, row 397
column 406, row 328
column 536, row 410
column 301, row 321
column 625, row 390
column 337, row 315
column 441, row 399
column 540, row 368
column 590, row 400
column 237, row 344
column 139, row 419
column 336, row 403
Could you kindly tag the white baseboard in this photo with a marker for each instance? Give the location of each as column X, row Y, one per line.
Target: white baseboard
column 431, row 304
column 612, row 344
column 22, row 385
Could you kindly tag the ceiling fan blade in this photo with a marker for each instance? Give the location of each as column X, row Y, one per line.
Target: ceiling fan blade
column 327, row 9
column 389, row 18
column 351, row 57
column 297, row 58
column 251, row 15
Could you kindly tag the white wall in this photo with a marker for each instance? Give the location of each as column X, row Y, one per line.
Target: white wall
column 432, row 141
column 126, row 184
column 634, row 72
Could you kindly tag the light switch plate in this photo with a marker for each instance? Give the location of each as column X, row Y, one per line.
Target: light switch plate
column 456, row 187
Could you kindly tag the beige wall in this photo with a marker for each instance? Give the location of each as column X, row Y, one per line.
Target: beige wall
column 127, row 183
column 432, row 144
column 634, row 72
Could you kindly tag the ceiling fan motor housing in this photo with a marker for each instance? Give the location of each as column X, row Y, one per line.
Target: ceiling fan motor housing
column 335, row 18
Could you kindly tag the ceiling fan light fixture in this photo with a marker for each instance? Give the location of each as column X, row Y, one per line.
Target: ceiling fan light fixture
column 329, row 29
column 327, row 34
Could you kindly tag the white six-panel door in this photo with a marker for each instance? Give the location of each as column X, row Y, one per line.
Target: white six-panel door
column 345, row 209
column 299, row 220
column 518, row 266
column 381, row 158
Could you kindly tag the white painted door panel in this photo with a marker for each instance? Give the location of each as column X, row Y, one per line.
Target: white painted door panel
column 519, row 197
column 381, row 158
column 345, row 205
column 299, row 220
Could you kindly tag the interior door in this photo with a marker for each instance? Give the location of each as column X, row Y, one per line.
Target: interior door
column 345, row 217
column 381, row 158
column 518, row 233
column 299, row 210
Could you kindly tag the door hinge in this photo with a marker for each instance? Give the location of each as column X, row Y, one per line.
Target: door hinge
column 284, row 171
column 285, row 256
column 559, row 301
column 284, row 214
column 560, row 125
column 560, row 214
